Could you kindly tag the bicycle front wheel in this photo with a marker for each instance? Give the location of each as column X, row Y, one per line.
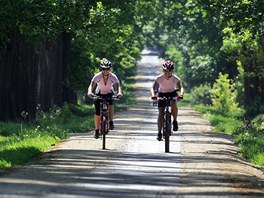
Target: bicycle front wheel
column 103, row 130
column 167, row 132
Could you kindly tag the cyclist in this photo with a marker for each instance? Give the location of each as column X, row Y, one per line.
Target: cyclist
column 167, row 84
column 105, row 83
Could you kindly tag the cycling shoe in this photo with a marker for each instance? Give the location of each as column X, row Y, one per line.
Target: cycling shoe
column 159, row 137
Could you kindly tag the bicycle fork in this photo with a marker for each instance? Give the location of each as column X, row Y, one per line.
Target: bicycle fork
column 167, row 123
column 167, row 118
column 104, row 117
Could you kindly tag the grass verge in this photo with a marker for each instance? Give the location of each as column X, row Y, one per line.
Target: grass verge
column 249, row 137
column 21, row 141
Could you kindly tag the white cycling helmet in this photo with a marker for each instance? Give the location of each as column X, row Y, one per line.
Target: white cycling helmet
column 105, row 64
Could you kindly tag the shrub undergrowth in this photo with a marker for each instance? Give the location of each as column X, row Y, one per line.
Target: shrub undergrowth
column 225, row 116
column 21, row 141
column 250, row 138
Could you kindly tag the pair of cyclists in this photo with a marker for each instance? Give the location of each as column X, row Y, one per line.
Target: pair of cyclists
column 107, row 82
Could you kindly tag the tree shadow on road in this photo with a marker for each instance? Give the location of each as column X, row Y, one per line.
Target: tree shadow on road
column 92, row 173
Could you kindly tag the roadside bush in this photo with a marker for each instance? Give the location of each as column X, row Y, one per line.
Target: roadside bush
column 224, row 95
column 201, row 95
column 256, row 107
column 251, row 142
column 258, row 122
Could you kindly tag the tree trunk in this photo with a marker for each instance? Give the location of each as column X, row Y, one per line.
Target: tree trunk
column 32, row 75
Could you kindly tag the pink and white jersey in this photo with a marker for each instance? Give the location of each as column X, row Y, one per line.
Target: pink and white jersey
column 167, row 85
column 103, row 87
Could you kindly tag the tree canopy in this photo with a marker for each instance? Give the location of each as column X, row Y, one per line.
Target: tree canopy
column 50, row 49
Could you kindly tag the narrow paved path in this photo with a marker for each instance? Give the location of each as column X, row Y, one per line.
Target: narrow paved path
column 200, row 164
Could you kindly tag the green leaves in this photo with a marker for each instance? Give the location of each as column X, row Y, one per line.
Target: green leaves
column 109, row 31
column 224, row 95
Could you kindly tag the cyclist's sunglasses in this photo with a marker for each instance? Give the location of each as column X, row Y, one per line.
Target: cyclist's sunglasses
column 166, row 70
column 105, row 68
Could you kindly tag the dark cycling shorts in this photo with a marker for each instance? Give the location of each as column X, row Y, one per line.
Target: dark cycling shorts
column 162, row 103
column 97, row 102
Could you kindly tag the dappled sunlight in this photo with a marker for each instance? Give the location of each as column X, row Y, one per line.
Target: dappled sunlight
column 136, row 170
column 134, row 163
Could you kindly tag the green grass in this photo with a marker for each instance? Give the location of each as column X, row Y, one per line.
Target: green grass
column 221, row 121
column 15, row 150
column 22, row 141
column 251, row 147
column 250, row 139
column 185, row 102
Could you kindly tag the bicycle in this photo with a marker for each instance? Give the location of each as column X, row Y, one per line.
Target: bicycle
column 167, row 120
column 104, row 116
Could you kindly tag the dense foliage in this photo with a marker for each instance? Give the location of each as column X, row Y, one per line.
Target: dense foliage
column 203, row 37
column 54, row 48
column 219, row 36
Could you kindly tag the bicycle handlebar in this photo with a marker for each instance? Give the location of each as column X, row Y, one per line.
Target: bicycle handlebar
column 165, row 98
column 177, row 98
column 105, row 98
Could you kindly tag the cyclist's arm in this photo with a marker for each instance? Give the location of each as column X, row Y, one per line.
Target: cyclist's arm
column 153, row 88
column 91, row 88
column 180, row 86
column 118, row 89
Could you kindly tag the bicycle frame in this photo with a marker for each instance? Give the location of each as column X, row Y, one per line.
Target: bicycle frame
column 104, row 116
column 104, row 106
column 167, row 121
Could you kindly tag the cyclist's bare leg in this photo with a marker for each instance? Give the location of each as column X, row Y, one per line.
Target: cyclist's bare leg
column 111, row 117
column 174, row 110
column 111, row 112
column 97, row 122
column 160, row 118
